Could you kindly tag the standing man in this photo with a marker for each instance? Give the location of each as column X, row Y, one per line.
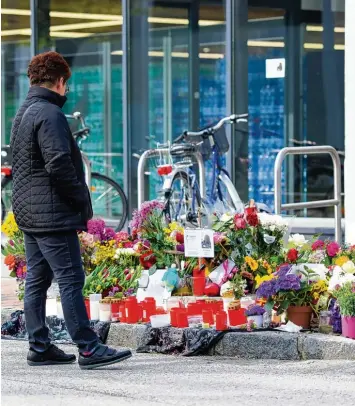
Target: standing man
column 51, row 202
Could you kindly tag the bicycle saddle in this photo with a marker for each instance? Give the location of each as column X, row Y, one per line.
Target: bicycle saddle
column 182, row 149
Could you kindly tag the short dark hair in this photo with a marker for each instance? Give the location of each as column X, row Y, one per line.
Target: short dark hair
column 47, row 69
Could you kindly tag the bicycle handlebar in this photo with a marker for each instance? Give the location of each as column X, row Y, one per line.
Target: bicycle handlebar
column 82, row 132
column 234, row 118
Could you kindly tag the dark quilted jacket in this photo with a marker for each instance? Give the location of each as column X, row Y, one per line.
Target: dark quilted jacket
column 49, row 190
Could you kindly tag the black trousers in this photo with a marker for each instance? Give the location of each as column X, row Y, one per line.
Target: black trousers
column 58, row 255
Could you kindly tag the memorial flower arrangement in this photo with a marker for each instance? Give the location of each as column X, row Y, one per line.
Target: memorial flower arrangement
column 290, row 286
column 14, row 252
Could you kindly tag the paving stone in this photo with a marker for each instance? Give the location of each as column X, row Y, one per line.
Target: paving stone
column 126, row 335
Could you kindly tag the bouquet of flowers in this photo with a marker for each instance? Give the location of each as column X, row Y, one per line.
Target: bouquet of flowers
column 14, row 252
column 157, row 241
column 290, row 286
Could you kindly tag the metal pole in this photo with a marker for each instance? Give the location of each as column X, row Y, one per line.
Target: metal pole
column 167, row 88
column 336, row 202
column 87, row 170
column 34, row 27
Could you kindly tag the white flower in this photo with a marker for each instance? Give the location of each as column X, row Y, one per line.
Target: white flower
column 340, row 278
column 272, row 222
column 349, row 267
column 298, row 240
column 125, row 251
column 226, row 217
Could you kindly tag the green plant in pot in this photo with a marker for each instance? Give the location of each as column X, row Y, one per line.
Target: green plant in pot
column 293, row 291
column 345, row 295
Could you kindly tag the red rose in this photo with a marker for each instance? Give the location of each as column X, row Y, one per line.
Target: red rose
column 239, row 222
column 179, row 238
column 251, row 216
column 292, row 255
column 147, row 260
column 128, row 277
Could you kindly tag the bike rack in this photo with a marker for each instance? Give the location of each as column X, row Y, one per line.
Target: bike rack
column 336, row 202
column 151, row 153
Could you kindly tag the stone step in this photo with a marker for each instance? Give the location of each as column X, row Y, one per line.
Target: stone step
column 254, row 345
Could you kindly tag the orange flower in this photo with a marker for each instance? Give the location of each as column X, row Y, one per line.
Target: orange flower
column 10, row 261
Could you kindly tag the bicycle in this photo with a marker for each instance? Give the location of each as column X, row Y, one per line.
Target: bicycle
column 109, row 201
column 223, row 195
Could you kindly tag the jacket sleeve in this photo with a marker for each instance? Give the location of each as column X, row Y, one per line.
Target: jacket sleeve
column 55, row 144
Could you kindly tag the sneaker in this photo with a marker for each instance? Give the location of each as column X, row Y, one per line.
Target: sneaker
column 102, row 356
column 52, row 356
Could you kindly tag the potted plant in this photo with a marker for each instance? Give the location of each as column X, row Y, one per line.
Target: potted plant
column 293, row 290
column 346, row 298
column 255, row 313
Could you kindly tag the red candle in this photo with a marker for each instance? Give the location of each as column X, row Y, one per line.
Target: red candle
column 221, row 321
column 140, row 312
column 87, row 305
column 149, row 308
column 198, row 285
column 173, row 316
column 132, row 314
column 182, row 320
column 122, row 313
column 207, row 317
column 237, row 317
column 193, row 309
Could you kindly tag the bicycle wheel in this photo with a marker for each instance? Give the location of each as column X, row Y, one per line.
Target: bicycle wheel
column 6, row 196
column 183, row 200
column 108, row 201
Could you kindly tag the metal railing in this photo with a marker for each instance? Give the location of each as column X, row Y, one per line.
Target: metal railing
column 336, row 202
column 152, row 153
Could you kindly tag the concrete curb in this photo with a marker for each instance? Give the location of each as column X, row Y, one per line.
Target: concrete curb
column 262, row 345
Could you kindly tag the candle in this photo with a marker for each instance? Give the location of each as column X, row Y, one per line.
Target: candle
column 105, row 310
column 95, row 306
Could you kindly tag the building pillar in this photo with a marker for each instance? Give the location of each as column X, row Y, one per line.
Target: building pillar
column 349, row 168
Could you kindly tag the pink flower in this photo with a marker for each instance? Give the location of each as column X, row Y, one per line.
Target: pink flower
column 109, row 234
column 333, row 249
column 218, row 238
column 96, row 227
column 240, row 223
column 122, row 236
column 317, row 245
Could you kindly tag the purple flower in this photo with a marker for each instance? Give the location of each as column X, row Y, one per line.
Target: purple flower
column 283, row 270
column 288, row 282
column 96, row 227
column 109, row 234
column 141, row 215
column 180, row 247
column 254, row 310
column 267, row 289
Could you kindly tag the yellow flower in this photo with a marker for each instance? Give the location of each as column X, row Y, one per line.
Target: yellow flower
column 316, row 295
column 340, row 261
column 253, row 265
column 320, row 286
column 9, row 226
column 260, row 279
column 98, row 288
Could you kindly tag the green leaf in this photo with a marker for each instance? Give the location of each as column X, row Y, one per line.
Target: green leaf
column 13, row 274
column 269, row 305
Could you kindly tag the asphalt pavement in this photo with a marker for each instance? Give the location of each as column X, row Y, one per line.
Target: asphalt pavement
column 147, row 380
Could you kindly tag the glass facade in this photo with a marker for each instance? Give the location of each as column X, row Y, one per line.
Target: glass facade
column 144, row 71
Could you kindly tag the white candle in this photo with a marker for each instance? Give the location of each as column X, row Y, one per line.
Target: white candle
column 105, row 315
column 94, row 310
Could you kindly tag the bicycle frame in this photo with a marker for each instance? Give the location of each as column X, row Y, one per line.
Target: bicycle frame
column 221, row 175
